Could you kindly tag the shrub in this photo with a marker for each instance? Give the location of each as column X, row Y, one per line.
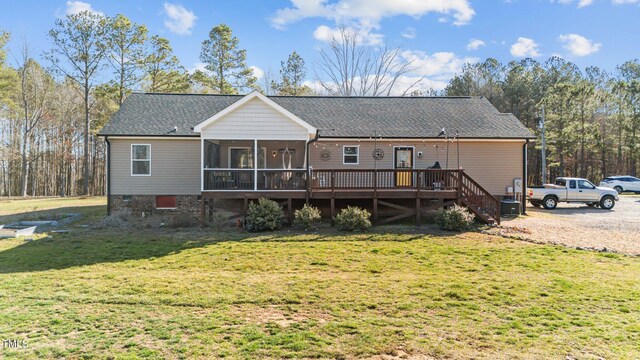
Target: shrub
column 307, row 217
column 454, row 218
column 264, row 215
column 353, row 218
column 182, row 220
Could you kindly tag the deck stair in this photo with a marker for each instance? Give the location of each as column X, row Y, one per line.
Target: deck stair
column 477, row 199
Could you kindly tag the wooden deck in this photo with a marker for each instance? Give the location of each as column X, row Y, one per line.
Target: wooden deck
column 430, row 189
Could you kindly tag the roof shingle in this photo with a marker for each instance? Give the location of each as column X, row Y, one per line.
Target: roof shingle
column 391, row 117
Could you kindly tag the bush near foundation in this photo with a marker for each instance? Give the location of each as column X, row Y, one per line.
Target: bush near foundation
column 353, row 218
column 264, row 215
column 456, row 218
column 307, row 217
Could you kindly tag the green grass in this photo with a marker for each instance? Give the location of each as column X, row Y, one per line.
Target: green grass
column 196, row 294
column 15, row 209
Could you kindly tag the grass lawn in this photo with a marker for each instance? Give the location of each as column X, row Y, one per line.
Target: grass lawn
column 13, row 209
column 197, row 294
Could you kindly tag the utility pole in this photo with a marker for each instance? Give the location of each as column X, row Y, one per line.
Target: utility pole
column 544, row 148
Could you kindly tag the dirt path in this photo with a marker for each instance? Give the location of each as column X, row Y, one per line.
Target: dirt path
column 577, row 225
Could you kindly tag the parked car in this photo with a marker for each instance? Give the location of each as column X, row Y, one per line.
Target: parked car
column 572, row 190
column 622, row 183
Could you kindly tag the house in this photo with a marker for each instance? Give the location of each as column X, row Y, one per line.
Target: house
column 197, row 152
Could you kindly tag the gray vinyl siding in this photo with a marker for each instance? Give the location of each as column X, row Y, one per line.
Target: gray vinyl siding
column 255, row 120
column 493, row 164
column 175, row 168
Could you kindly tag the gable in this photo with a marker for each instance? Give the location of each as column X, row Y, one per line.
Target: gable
column 255, row 117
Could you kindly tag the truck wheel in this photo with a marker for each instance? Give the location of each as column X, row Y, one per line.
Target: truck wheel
column 607, row 202
column 618, row 189
column 550, row 202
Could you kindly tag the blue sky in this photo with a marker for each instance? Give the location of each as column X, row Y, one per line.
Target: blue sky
column 438, row 35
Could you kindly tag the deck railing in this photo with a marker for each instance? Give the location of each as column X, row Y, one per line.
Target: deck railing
column 228, row 179
column 468, row 191
column 248, row 180
column 282, row 179
column 354, row 179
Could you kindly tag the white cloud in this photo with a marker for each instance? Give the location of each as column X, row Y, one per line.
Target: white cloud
column 475, row 44
column 584, row 3
column 198, row 66
column 409, row 33
column 257, row 72
column 581, row 3
column 76, row 7
column 364, row 35
column 371, row 11
column 579, row 45
column 179, row 20
column 525, row 47
column 438, row 66
column 622, row 2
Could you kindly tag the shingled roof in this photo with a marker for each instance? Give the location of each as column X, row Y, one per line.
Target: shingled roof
column 150, row 114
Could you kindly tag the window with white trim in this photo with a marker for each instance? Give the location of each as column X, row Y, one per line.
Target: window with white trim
column 140, row 160
column 350, row 154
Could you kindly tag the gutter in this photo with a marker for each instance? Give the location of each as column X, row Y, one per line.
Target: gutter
column 106, row 139
column 309, row 142
column 524, row 177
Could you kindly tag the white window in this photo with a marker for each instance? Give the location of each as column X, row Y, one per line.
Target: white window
column 350, row 154
column 140, row 160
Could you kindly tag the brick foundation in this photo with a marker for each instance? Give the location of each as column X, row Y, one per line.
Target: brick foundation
column 147, row 204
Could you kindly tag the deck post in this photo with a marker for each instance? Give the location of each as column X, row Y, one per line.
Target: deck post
column 375, row 209
column 255, row 164
column 459, row 202
column 418, row 210
column 333, row 206
column 290, row 210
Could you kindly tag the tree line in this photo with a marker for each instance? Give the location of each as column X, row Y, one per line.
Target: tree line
column 53, row 104
column 592, row 117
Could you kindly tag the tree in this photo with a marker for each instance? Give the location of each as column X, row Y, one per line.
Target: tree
column 629, row 88
column 126, row 41
column 36, row 89
column 226, row 62
column 8, row 77
column 292, row 74
column 480, row 79
column 347, row 67
column 162, row 70
column 78, row 53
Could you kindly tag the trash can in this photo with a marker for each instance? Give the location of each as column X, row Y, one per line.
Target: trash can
column 509, row 207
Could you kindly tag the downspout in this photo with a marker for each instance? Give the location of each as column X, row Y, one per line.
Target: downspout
column 308, row 195
column 524, row 177
column 106, row 139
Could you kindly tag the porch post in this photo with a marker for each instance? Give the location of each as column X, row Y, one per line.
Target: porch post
column 255, row 164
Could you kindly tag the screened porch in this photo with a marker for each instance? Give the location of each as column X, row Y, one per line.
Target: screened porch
column 253, row 165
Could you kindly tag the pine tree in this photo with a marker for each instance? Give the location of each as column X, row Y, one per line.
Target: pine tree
column 226, row 62
column 292, row 74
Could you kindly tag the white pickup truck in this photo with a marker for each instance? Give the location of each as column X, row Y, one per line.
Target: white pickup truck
column 572, row 190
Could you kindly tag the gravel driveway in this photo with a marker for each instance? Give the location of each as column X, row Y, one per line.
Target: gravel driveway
column 577, row 225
